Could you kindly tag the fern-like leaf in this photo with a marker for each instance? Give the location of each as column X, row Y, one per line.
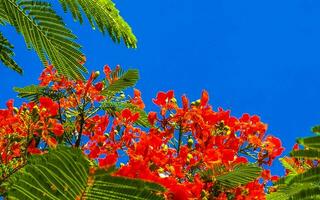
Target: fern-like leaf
column 6, row 54
column 64, row 174
column 310, row 175
column 125, row 80
column 45, row 32
column 307, row 154
column 241, row 175
column 310, row 142
column 104, row 15
column 31, row 92
column 305, row 185
column 316, row 129
column 296, row 191
column 288, row 164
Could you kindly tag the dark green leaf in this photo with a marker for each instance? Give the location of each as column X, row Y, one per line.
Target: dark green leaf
column 63, row 173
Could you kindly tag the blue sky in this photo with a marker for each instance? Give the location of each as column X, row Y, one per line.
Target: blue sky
column 259, row 57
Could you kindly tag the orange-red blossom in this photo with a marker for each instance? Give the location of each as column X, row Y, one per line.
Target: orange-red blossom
column 182, row 142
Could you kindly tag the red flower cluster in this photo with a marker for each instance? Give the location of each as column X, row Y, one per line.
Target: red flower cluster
column 22, row 130
column 181, row 143
column 185, row 141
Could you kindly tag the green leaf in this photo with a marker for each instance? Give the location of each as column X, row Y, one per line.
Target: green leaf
column 304, row 185
column 63, row 173
column 45, row 32
column 287, row 165
column 313, row 174
column 6, row 54
column 31, row 92
column 310, row 142
column 307, row 154
column 296, row 191
column 316, row 129
column 125, row 80
column 241, row 175
column 104, row 15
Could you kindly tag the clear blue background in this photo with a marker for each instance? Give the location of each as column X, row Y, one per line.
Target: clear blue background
column 260, row 57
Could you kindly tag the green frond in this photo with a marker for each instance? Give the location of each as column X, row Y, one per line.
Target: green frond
column 209, row 175
column 3, row 16
column 31, row 92
column 307, row 154
column 34, row 92
column 241, row 175
column 308, row 193
column 316, row 129
column 45, row 32
column 63, row 173
column 105, row 186
column 310, row 142
column 6, row 54
column 104, row 15
column 304, row 185
column 288, row 165
column 311, row 175
column 125, row 80
column 296, row 191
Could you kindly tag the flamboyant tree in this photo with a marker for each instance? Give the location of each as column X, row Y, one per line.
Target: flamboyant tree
column 192, row 150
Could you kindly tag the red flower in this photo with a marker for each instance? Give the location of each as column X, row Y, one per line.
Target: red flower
column 152, row 117
column 275, row 178
column 94, row 152
column 10, row 104
column 178, row 192
column 163, row 98
column 137, row 100
column 204, row 98
column 50, row 107
column 32, row 148
column 129, row 116
column 108, row 161
column 98, row 86
column 185, row 103
column 57, row 129
column 295, row 147
column 52, row 142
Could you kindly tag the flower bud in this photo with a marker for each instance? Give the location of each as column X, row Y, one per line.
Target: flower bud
column 171, row 169
column 122, row 95
column 195, row 103
column 189, row 157
column 15, row 109
column 164, row 147
column 96, row 74
column 35, row 109
column 160, row 170
column 190, row 142
column 174, row 100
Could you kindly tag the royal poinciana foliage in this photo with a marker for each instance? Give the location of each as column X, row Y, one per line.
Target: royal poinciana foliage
column 302, row 179
column 189, row 148
column 45, row 32
column 65, row 173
